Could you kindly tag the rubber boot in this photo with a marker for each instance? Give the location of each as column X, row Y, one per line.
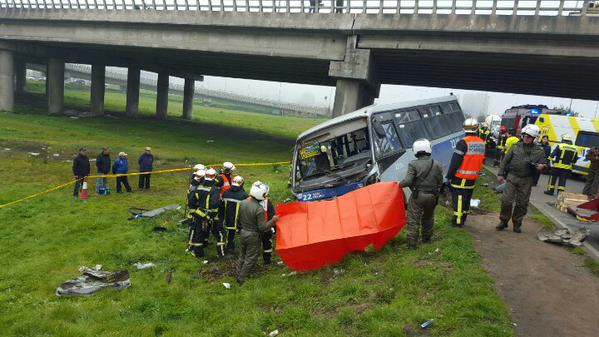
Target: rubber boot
column 501, row 226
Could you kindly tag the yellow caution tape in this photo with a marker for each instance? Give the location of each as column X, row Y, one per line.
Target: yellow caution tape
column 131, row 174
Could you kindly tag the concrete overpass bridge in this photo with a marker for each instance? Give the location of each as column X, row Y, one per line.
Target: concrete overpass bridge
column 529, row 47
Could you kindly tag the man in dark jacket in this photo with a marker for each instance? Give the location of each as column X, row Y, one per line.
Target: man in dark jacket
column 204, row 204
column 80, row 169
column 103, row 166
column 146, row 160
column 230, row 211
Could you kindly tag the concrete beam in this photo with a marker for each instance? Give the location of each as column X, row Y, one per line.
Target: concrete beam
column 55, row 86
column 97, row 90
column 7, row 91
column 162, row 96
column 188, row 91
column 21, row 76
column 133, row 75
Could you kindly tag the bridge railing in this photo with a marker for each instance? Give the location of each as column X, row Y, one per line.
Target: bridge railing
column 449, row 7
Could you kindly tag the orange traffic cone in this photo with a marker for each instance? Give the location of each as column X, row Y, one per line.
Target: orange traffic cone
column 84, row 192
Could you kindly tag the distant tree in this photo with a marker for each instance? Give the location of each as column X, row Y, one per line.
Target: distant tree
column 564, row 110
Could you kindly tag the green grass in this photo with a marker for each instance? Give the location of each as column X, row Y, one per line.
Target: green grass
column 45, row 240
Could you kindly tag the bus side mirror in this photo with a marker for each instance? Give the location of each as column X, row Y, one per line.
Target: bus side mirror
column 378, row 129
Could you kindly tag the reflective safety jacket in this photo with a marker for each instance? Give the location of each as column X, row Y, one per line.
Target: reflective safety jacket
column 564, row 156
column 231, row 200
column 485, row 135
column 205, row 200
column 511, row 140
column 474, row 158
column 224, row 181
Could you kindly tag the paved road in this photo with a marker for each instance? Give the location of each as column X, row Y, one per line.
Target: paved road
column 542, row 202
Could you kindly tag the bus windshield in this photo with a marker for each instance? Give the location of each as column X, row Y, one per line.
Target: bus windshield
column 332, row 154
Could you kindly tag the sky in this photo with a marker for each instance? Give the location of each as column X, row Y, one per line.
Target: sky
column 472, row 102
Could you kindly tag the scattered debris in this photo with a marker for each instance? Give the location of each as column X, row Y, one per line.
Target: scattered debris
column 280, row 263
column 141, row 265
column 427, row 323
column 35, row 154
column 74, row 117
column 7, row 149
column 474, row 203
column 566, row 237
column 205, row 262
column 94, row 280
column 486, row 184
column 227, row 285
column 338, row 271
column 145, row 213
column 290, row 274
column 273, row 333
column 514, row 324
column 56, row 155
column 210, row 141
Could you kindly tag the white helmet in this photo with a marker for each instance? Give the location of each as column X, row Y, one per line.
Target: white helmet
column 238, row 181
column 532, row 130
column 228, row 166
column 200, row 173
column 566, row 138
column 199, row 167
column 210, row 174
column 259, row 190
column 422, row 145
column 470, row 125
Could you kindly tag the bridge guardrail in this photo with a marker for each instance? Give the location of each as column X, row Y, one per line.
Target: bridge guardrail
column 449, row 7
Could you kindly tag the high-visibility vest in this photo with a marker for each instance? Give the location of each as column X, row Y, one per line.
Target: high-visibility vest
column 473, row 158
column 502, row 140
column 510, row 142
column 567, row 156
column 485, row 135
column 226, row 183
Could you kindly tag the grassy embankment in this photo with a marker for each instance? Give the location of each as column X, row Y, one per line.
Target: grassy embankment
column 45, row 240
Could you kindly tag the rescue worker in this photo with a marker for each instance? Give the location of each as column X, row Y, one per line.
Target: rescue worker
column 503, row 136
column 197, row 177
column 524, row 161
column 225, row 178
column 266, row 237
column 510, row 141
column 230, row 211
column 205, row 203
column 464, row 169
column 561, row 159
column 252, row 221
column 590, row 187
column 425, row 179
column 485, row 134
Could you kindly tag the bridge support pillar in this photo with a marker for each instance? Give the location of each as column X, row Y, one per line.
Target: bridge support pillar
column 162, row 95
column 188, row 92
column 133, row 75
column 7, row 86
column 21, row 76
column 357, row 81
column 98, row 89
column 55, row 86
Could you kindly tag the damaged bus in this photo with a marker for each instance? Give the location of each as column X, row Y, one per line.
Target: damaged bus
column 372, row 144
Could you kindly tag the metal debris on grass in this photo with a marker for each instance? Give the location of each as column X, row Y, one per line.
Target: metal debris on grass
column 565, row 237
column 142, row 265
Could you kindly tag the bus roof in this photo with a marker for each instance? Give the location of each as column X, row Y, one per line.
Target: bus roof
column 369, row 110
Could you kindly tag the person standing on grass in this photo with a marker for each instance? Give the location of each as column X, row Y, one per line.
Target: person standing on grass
column 103, row 166
column 252, row 220
column 80, row 170
column 146, row 160
column 121, row 166
column 425, row 179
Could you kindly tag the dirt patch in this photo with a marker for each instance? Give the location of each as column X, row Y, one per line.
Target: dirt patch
column 547, row 289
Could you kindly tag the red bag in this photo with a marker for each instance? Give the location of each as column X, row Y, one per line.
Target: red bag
column 314, row 234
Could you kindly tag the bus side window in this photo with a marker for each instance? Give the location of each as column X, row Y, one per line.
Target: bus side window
column 389, row 143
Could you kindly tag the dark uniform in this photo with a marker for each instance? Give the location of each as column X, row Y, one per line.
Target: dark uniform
column 424, row 178
column 501, row 144
column 562, row 158
column 80, row 171
column 230, row 214
column 224, row 181
column 464, row 170
column 266, row 237
column 204, row 204
column 590, row 187
column 253, row 223
column 520, row 162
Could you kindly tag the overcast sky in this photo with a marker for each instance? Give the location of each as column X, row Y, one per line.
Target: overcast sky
column 473, row 102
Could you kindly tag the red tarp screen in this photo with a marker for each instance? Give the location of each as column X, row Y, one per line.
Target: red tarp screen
column 314, row 234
